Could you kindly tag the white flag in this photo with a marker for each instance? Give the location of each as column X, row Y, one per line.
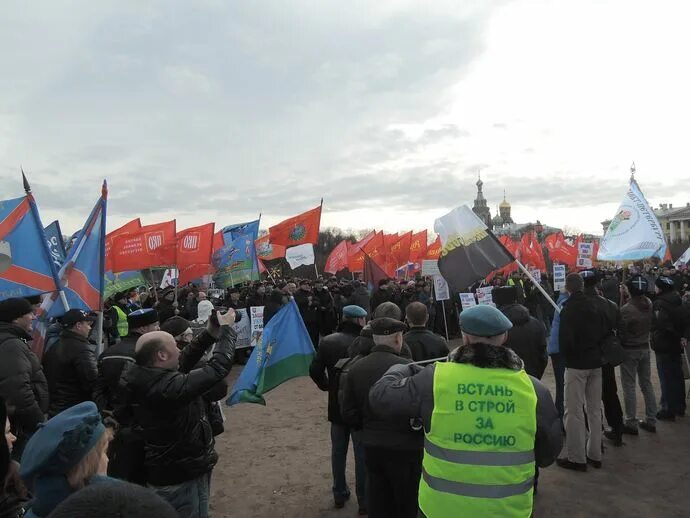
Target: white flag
column 300, row 255
column 634, row 232
column 169, row 278
column 683, row 259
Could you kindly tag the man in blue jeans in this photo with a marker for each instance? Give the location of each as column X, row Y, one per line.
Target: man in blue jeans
column 557, row 359
column 333, row 348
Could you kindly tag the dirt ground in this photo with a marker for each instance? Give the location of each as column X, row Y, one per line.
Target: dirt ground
column 275, row 462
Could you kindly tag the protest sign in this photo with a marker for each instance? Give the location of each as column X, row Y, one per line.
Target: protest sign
column 243, row 330
column 257, row 313
column 484, row 296
column 536, row 274
column 558, row 277
column 467, row 300
column 441, row 288
column 430, row 267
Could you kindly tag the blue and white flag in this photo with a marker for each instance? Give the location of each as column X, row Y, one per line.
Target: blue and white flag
column 56, row 245
column 634, row 232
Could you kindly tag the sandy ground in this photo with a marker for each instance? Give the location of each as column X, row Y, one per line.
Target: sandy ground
column 275, row 462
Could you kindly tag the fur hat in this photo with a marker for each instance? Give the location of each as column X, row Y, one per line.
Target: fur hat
column 11, row 309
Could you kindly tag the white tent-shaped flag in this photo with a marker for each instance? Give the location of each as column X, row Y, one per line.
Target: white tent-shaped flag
column 683, row 259
column 634, row 232
column 300, row 255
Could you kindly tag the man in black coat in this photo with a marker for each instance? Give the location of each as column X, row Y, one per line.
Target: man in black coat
column 22, row 382
column 335, row 347
column 382, row 294
column 167, row 397
column 360, row 296
column 309, row 307
column 423, row 344
column 70, row 365
column 527, row 337
column 393, row 447
column 670, row 332
column 126, row 449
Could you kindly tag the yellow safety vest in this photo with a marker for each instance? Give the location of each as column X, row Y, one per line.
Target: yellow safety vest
column 479, row 454
column 122, row 326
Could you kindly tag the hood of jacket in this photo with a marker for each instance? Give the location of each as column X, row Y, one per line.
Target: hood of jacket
column 486, row 356
column 641, row 303
column 8, row 328
column 516, row 313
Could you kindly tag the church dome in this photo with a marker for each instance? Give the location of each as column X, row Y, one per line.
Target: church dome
column 497, row 220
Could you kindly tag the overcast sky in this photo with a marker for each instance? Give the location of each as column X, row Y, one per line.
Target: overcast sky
column 218, row 110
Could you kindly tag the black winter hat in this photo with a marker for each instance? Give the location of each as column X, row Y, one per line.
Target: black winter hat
column 114, row 500
column 664, row 283
column 14, row 308
column 504, row 295
column 142, row 317
column 175, row 325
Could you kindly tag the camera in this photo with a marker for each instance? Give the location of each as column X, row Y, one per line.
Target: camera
column 214, row 317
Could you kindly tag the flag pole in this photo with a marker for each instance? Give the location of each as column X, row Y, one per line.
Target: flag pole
column 538, row 286
column 153, row 285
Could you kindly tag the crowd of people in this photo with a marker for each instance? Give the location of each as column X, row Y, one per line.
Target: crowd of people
column 140, row 418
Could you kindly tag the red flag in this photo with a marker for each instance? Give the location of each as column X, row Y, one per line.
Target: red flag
column 514, row 249
column 373, row 273
column 389, row 240
column 355, row 256
column 560, row 251
column 400, row 251
column 193, row 271
column 531, row 251
column 218, row 241
column 434, row 251
column 300, row 229
column 195, row 246
column 262, row 268
column 374, row 248
column 418, row 246
column 151, row 246
column 266, row 250
column 127, row 228
column 337, row 260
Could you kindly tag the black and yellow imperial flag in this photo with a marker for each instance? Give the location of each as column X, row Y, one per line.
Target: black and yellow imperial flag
column 469, row 250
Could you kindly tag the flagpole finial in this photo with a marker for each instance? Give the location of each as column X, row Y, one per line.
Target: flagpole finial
column 104, row 189
column 27, row 187
column 632, row 171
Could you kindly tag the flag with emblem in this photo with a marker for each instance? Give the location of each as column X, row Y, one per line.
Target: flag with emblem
column 434, row 249
column 267, row 251
column 337, row 259
column 195, row 246
column 297, row 230
column 284, row 352
column 469, row 250
column 634, row 232
column 127, row 228
column 26, row 265
column 149, row 247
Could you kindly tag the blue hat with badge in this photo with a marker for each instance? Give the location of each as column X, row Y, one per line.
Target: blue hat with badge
column 353, row 311
column 62, row 442
column 484, row 320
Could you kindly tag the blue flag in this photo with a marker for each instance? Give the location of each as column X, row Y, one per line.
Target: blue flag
column 26, row 267
column 56, row 245
column 82, row 275
column 236, row 262
column 284, row 352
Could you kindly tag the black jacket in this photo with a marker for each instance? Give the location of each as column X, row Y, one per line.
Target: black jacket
column 111, row 363
column 379, row 297
column 169, row 407
column 331, row 349
column 377, row 432
column 527, row 338
column 360, row 297
column 636, row 322
column 22, row 382
column 70, row 367
column 670, row 323
column 583, row 326
column 425, row 345
column 308, row 310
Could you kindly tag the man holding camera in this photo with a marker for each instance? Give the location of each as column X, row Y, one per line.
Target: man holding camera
column 166, row 393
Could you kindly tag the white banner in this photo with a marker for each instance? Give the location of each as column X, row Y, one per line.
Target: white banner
column 257, row 313
column 300, row 255
column 558, row 277
column 634, row 232
column 243, row 329
column 441, row 288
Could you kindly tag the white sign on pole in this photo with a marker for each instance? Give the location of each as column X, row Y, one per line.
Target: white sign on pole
column 300, row 255
column 536, row 274
column 430, row 267
column 558, row 277
column 584, row 262
column 484, row 296
column 467, row 300
column 257, row 313
column 585, row 249
column 441, row 288
column 243, row 329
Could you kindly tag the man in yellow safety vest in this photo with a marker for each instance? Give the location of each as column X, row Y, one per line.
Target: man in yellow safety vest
column 487, row 424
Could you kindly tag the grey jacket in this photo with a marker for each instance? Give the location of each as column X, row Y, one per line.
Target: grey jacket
column 407, row 391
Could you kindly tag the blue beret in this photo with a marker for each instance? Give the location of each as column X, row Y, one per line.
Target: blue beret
column 60, row 443
column 484, row 320
column 353, row 311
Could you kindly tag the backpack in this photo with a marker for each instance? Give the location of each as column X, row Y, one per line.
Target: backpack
column 341, row 370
